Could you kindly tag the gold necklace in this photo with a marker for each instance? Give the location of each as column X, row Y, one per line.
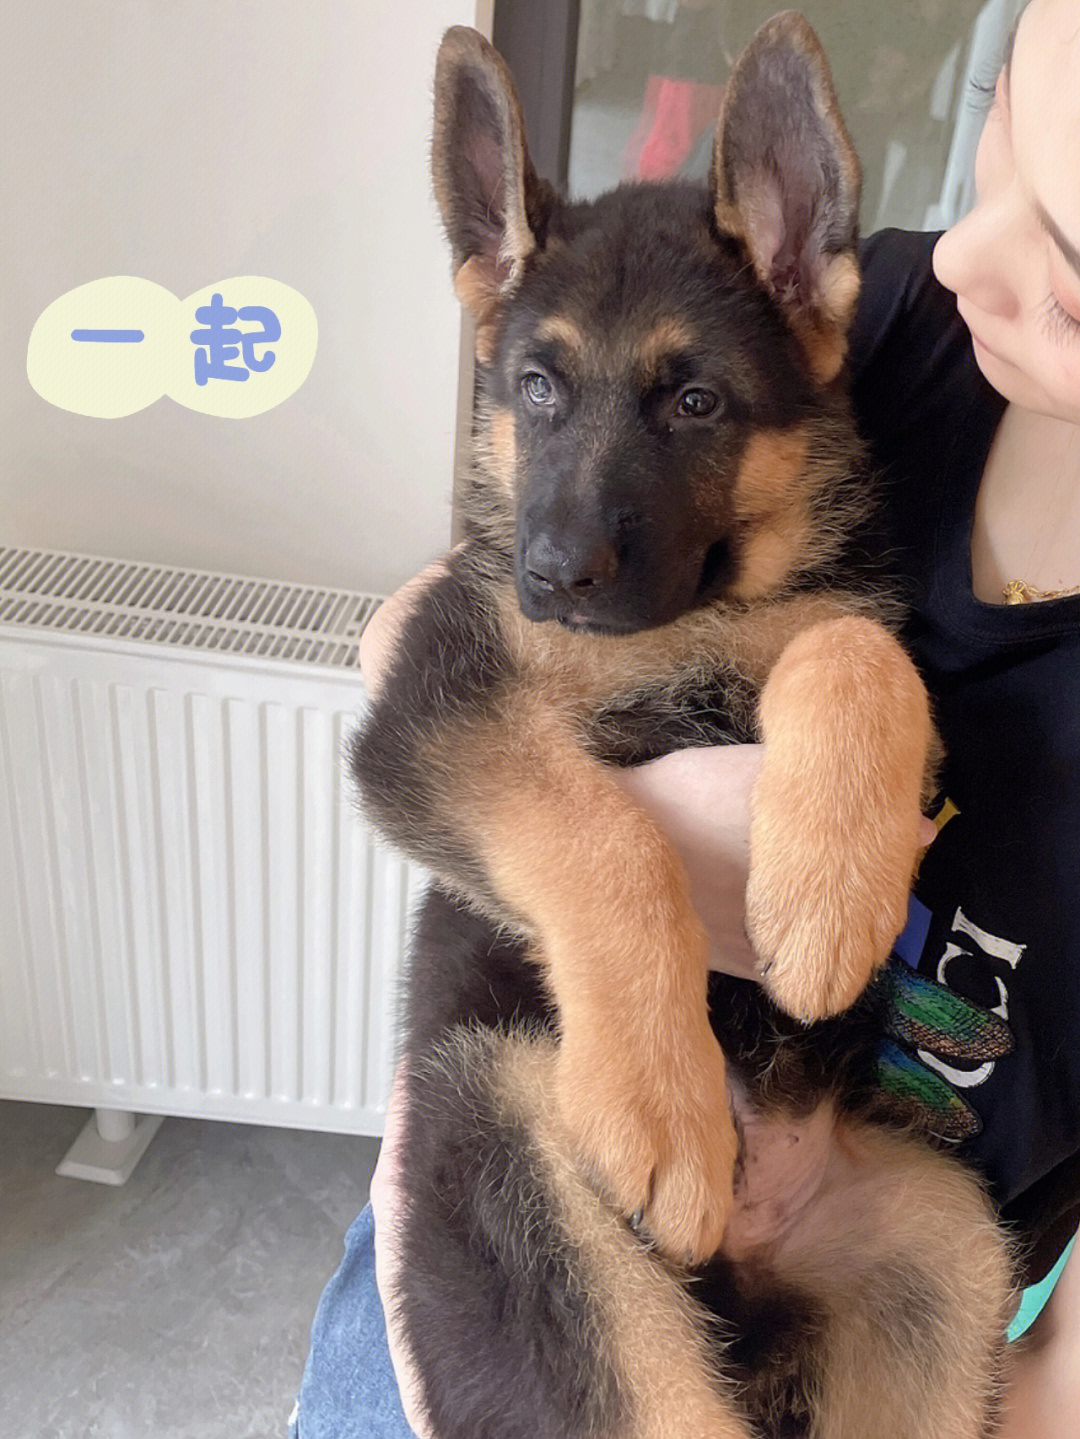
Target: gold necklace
column 1018, row 592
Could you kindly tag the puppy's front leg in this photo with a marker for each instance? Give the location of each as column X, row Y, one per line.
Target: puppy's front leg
column 835, row 822
column 641, row 1078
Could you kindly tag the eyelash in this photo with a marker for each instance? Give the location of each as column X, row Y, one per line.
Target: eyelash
column 1055, row 322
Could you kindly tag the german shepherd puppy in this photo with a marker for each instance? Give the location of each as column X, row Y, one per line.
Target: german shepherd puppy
column 667, row 525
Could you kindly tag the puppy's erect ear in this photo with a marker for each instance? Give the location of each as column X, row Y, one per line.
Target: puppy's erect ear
column 493, row 206
column 785, row 175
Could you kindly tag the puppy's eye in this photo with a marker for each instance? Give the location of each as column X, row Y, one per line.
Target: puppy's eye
column 537, row 389
column 696, row 403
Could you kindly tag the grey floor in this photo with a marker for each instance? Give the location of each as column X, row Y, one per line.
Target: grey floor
column 177, row 1306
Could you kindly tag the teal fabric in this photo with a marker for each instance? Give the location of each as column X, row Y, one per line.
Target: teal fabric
column 1033, row 1301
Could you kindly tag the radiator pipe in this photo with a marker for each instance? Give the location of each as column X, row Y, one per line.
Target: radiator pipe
column 115, row 1125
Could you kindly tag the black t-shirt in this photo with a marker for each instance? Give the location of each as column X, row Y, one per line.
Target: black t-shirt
column 999, row 891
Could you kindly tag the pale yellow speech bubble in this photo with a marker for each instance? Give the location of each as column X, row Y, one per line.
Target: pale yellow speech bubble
column 116, row 345
column 98, row 377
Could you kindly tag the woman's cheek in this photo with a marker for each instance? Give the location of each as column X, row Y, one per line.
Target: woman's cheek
column 1070, row 378
column 992, row 161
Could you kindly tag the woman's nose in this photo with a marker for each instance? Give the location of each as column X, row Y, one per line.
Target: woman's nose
column 976, row 258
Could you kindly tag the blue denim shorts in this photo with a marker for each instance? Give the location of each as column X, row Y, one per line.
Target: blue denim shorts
column 348, row 1390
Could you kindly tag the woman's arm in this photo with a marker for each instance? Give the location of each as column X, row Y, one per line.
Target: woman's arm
column 386, row 1205
column 380, row 634
column 701, row 799
column 1042, row 1400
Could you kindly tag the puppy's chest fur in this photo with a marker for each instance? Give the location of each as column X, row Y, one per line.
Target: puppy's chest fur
column 693, row 682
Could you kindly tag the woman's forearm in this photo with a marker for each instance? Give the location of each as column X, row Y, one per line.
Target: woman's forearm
column 1042, row 1400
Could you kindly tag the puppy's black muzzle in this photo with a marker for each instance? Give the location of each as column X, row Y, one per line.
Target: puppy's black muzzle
column 568, row 570
column 578, row 590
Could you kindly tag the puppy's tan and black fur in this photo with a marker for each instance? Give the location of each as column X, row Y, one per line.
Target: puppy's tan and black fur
column 668, row 543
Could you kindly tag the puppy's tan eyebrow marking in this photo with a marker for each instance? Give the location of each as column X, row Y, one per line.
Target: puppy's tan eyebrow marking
column 668, row 338
column 562, row 330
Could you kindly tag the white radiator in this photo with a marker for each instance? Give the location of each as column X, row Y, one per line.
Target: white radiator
column 193, row 918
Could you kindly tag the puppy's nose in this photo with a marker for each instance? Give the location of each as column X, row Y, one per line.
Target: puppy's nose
column 567, row 568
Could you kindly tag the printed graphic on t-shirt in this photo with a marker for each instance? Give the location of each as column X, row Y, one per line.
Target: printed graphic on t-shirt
column 942, row 1044
column 929, row 1026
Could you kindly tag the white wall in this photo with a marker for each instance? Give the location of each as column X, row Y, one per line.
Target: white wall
column 186, row 141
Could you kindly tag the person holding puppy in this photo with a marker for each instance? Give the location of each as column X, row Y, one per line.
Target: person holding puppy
column 965, row 361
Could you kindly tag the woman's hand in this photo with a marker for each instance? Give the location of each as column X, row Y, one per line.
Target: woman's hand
column 383, row 630
column 386, row 1202
column 700, row 798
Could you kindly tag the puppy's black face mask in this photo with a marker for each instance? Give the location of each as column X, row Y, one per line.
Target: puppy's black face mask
column 658, row 365
column 638, row 378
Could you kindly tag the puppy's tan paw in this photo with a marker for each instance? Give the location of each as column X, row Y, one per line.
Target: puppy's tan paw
column 835, row 832
column 821, row 932
column 661, row 1146
column 692, row 1191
